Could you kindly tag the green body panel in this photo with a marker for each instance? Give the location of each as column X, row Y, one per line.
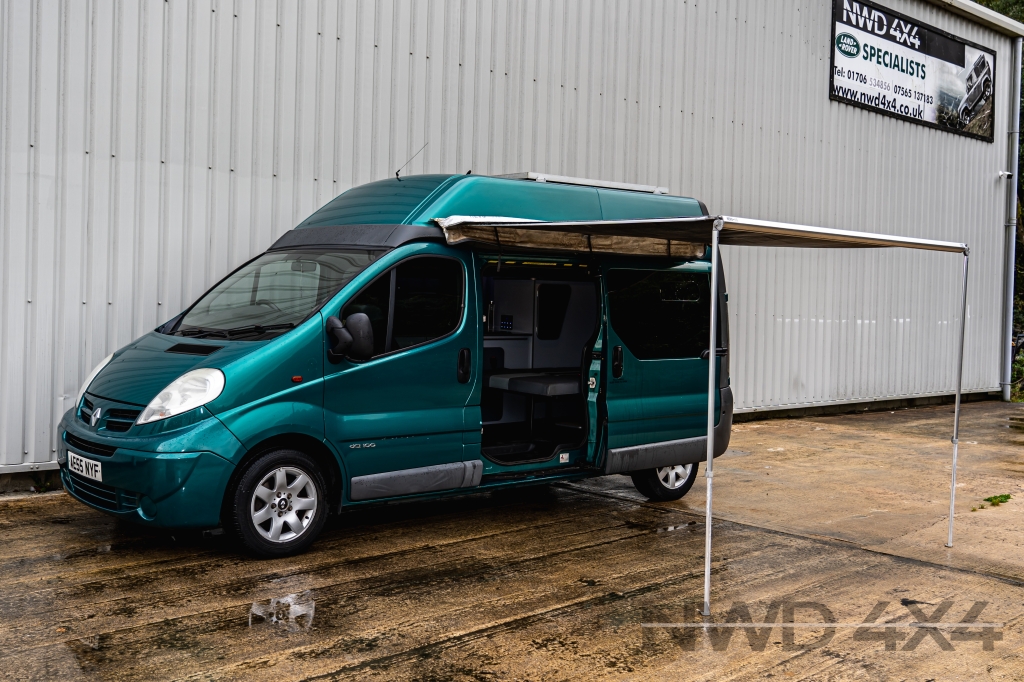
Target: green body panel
column 481, row 195
column 143, row 368
column 405, row 409
column 263, row 400
column 408, row 404
column 182, row 472
column 617, row 205
column 383, row 202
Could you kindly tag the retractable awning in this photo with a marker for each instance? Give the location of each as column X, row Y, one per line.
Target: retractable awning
column 591, row 236
column 687, row 237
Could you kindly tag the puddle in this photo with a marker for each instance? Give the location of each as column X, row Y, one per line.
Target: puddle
column 1016, row 423
column 669, row 529
column 294, row 611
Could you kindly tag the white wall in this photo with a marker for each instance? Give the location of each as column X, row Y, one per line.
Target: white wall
column 147, row 147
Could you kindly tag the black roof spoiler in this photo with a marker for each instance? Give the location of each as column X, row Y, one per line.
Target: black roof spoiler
column 364, row 236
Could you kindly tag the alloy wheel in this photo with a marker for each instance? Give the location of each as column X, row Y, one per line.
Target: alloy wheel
column 674, row 476
column 284, row 504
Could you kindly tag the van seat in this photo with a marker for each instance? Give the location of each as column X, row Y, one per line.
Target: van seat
column 537, row 384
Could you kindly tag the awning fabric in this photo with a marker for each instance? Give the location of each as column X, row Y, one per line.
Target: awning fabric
column 678, row 237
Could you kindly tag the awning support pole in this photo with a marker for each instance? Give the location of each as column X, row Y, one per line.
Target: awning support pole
column 712, row 389
column 959, row 386
column 1013, row 166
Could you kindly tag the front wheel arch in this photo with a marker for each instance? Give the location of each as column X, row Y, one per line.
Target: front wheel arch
column 316, row 449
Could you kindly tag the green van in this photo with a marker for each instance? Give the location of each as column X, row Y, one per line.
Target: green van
column 367, row 357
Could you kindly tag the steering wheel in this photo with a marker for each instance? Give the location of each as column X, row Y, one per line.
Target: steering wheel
column 269, row 304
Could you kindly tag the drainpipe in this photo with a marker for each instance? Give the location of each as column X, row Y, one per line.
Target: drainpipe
column 1011, row 217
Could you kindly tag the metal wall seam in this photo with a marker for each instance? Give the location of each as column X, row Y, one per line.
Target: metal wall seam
column 148, row 148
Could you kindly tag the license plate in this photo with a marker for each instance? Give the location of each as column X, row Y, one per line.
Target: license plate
column 85, row 467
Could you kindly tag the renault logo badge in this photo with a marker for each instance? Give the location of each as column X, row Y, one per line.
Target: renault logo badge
column 95, row 416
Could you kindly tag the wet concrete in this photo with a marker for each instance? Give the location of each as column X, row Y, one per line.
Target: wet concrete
column 557, row 582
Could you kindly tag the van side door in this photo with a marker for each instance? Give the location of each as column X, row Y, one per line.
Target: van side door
column 405, row 409
column 657, row 330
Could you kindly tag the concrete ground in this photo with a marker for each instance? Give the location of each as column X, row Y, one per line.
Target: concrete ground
column 823, row 519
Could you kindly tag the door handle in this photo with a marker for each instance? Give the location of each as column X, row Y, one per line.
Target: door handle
column 465, row 369
column 617, row 362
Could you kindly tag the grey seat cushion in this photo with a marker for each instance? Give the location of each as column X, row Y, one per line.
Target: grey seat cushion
column 537, row 384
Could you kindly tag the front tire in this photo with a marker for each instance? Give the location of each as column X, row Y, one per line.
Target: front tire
column 665, row 484
column 279, row 504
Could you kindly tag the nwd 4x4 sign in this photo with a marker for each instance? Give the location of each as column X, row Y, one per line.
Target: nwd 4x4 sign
column 895, row 65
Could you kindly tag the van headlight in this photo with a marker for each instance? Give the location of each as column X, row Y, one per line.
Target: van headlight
column 187, row 392
column 92, row 375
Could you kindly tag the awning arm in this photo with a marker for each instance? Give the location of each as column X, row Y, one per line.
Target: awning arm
column 712, row 386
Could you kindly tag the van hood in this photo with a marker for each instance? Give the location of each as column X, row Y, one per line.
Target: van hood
column 147, row 365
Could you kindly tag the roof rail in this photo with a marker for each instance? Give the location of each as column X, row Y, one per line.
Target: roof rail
column 566, row 180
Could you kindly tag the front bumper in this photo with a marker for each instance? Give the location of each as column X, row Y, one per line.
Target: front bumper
column 158, row 488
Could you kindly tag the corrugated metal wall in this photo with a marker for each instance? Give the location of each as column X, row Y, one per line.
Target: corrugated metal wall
column 147, row 147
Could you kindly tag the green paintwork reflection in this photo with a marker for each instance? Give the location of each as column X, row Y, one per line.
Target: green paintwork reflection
column 404, row 409
column 143, row 368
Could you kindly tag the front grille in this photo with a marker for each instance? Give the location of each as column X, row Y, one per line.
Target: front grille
column 88, row 446
column 103, row 496
column 128, row 415
column 85, row 413
column 121, row 420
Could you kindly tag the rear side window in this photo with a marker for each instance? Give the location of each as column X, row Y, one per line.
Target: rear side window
column 428, row 300
column 660, row 315
column 426, row 303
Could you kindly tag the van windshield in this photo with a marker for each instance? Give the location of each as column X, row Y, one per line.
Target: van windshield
column 272, row 294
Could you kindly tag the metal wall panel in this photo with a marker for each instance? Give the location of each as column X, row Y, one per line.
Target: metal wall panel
column 147, row 147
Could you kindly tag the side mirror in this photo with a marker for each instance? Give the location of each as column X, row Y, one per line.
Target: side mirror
column 340, row 338
column 353, row 338
column 360, row 330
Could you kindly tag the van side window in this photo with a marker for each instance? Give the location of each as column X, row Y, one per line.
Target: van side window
column 428, row 300
column 552, row 305
column 660, row 315
column 374, row 300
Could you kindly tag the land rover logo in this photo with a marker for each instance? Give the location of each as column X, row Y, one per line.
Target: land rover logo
column 847, row 45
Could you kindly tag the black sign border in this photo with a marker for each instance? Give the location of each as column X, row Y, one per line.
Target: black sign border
column 892, row 114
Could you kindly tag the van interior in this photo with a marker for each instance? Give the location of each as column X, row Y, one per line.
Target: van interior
column 540, row 325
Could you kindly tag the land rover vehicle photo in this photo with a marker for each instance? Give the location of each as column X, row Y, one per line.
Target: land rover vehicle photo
column 979, row 89
column 363, row 358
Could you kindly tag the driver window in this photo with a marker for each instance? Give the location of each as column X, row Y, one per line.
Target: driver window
column 428, row 300
column 415, row 302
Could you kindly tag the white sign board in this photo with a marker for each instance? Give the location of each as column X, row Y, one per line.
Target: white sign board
column 890, row 63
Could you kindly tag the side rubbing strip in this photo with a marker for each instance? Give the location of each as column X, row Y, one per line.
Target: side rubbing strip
column 672, row 452
column 419, row 480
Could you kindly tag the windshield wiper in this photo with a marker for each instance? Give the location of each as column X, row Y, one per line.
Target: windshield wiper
column 239, row 331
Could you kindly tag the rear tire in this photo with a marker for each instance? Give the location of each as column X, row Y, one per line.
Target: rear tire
column 280, row 504
column 665, row 484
